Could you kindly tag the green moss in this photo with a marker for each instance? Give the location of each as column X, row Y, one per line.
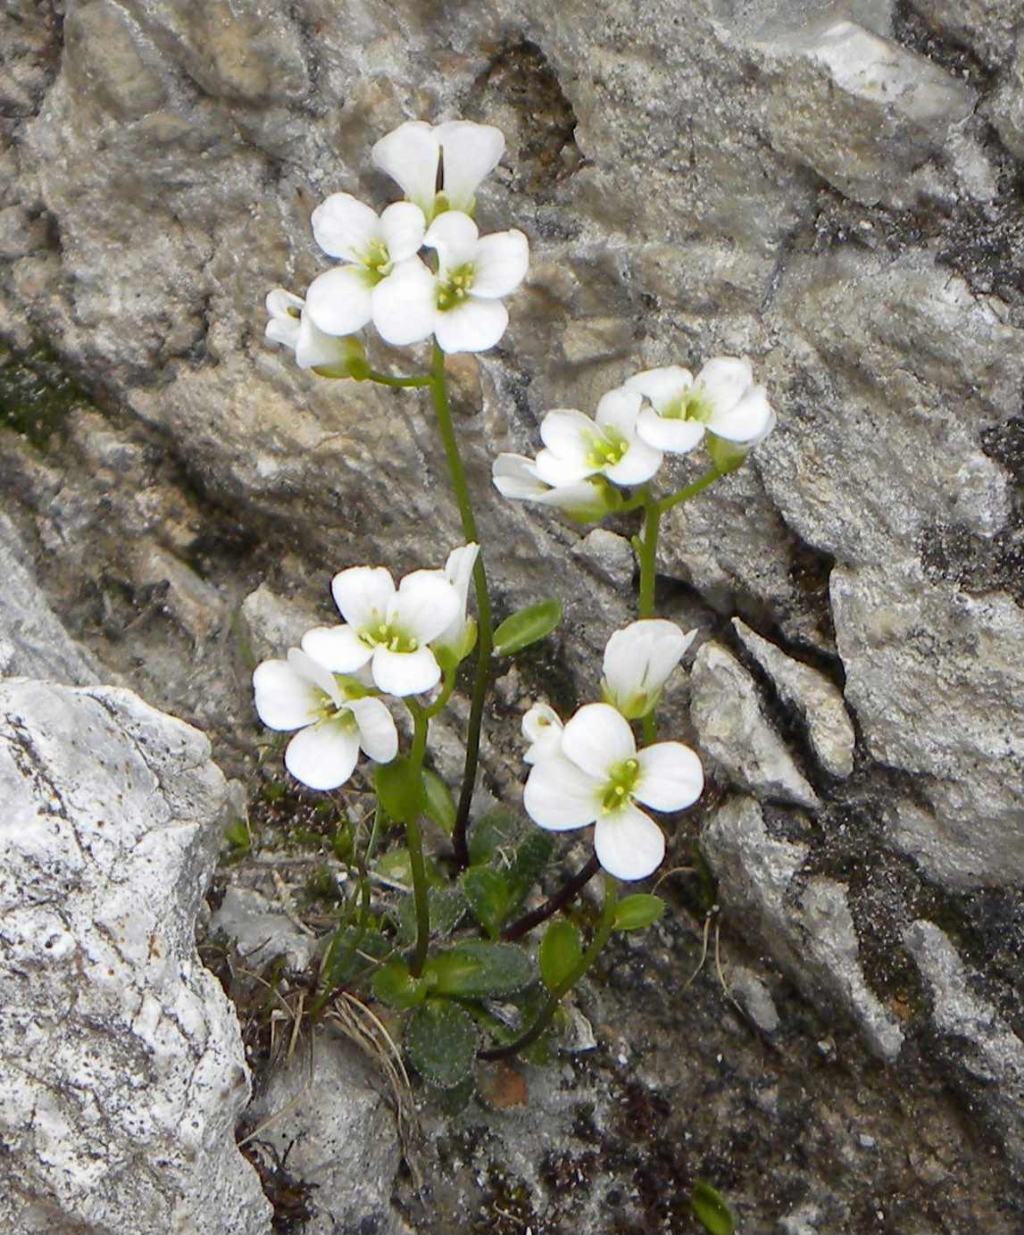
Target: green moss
column 35, row 393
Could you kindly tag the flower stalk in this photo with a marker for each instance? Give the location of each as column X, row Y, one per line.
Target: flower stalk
column 414, row 841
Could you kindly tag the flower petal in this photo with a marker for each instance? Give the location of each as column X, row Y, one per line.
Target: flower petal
column 324, row 755
column 661, row 387
column 542, row 727
column 338, row 301
column 559, row 471
column 377, row 733
column 454, row 236
column 750, row 419
column 284, row 699
column 282, row 303
column 639, row 659
column 315, row 671
column 568, row 434
column 628, row 843
column 515, row 477
column 345, row 227
column 598, row 738
column 316, row 350
column 338, row 648
column 410, row 155
column 402, row 226
column 638, row 464
column 405, row 304
column 284, row 330
column 618, row 409
column 471, row 152
column 500, row 263
column 674, row 436
column 473, row 326
column 405, row 673
column 458, row 570
column 425, row 604
column 725, row 379
column 362, row 594
column 559, row 795
column 671, row 776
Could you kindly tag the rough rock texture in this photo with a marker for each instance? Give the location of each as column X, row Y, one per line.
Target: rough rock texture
column 123, row 1072
column 830, row 186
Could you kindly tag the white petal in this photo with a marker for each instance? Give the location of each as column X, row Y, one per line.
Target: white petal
column 662, row 387
column 471, row 152
column 582, row 499
column 454, row 236
column 284, row 699
column 315, row 671
column 402, row 226
column 425, row 604
column 640, row 658
column 281, row 303
column 316, row 350
column 750, row 420
column 515, row 477
column 344, row 227
column 629, row 844
column 500, row 263
column 377, row 733
column 362, row 594
column 559, row 795
column 405, row 673
column 338, row 648
column 338, row 301
column 670, row 434
column 559, row 471
column 473, row 326
column 542, row 727
column 638, row 464
column 618, row 409
column 724, row 380
column 410, row 155
column 284, row 330
column 568, row 434
column 598, row 738
column 324, row 755
column 458, row 571
column 405, row 304
column 671, row 776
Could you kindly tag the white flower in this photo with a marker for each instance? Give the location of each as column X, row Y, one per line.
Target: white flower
column 542, row 728
column 334, row 720
column 577, row 447
column 638, row 661
column 291, row 325
column 389, row 629
column 723, row 400
column 598, row 775
column 460, row 635
column 341, row 301
column 516, row 477
column 466, row 152
column 460, row 304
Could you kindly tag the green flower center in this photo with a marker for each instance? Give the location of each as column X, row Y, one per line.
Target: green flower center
column 336, row 713
column 606, row 447
column 377, row 261
column 384, row 635
column 620, row 784
column 455, row 288
column 693, row 405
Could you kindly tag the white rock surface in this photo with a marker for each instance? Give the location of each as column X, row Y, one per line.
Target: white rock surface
column 123, row 1072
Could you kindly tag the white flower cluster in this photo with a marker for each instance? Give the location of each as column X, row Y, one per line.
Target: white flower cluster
column 393, row 641
column 381, row 277
column 589, row 770
column 654, row 413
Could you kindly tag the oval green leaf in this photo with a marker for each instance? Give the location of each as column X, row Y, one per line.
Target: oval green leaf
column 560, row 952
column 400, row 789
column 633, row 913
column 440, row 1041
column 477, row 969
column 710, row 1209
column 440, row 805
column 394, row 985
column 527, row 626
column 489, row 897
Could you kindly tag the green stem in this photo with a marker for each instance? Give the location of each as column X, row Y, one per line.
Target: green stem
column 647, row 552
column 485, row 642
column 382, row 379
column 414, row 841
column 557, row 993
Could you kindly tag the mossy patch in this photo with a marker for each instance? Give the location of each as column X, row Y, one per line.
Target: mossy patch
column 36, row 393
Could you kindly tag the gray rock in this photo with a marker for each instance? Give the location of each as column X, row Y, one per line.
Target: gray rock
column 1008, row 103
column 987, row 1056
column 33, row 643
column 123, row 1070
column 733, row 730
column 259, row 932
column 987, row 27
column 818, row 702
column 326, row 1107
column 754, row 997
column 610, row 554
column 272, row 624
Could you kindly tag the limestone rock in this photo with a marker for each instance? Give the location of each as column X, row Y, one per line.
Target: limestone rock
column 273, row 623
column 260, row 933
column 819, row 703
column 733, row 730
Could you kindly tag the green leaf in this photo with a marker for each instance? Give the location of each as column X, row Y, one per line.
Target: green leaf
column 440, row 1040
column 447, row 905
column 489, row 896
column 238, row 837
column 400, row 789
column 395, row 986
column 560, row 952
column 532, row 854
column 490, row 833
column 526, row 627
column 633, row 913
column 395, row 866
column 477, row 969
column 710, row 1209
column 440, row 805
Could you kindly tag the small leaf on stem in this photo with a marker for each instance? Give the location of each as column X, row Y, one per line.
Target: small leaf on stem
column 560, row 953
column 527, row 626
column 440, row 805
column 710, row 1209
column 477, row 969
column 633, row 913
